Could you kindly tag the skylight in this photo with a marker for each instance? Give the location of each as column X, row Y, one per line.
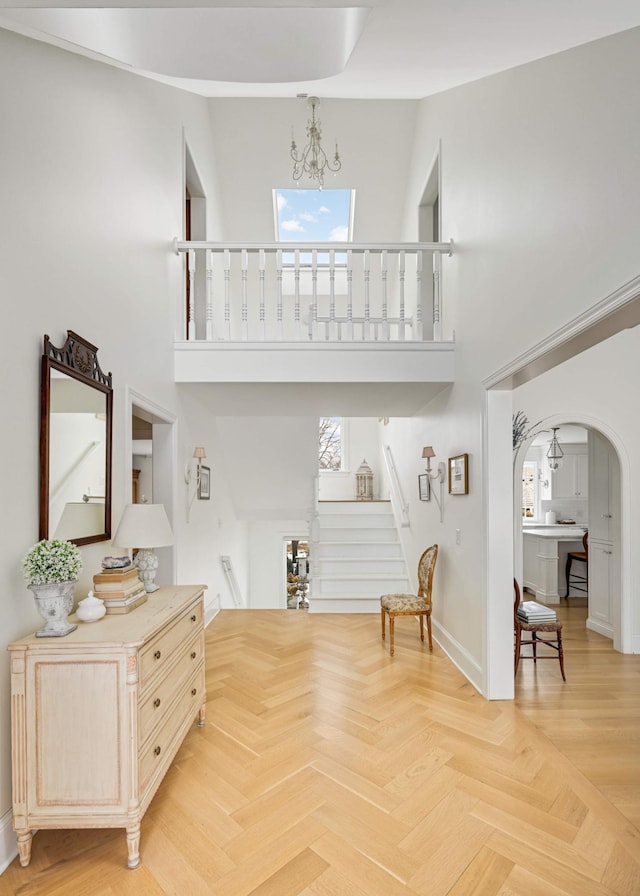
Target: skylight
column 313, row 216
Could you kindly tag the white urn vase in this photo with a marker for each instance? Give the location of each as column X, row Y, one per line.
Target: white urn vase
column 54, row 601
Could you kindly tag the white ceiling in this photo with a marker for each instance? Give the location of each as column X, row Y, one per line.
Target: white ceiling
column 385, row 49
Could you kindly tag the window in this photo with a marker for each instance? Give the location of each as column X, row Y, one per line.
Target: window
column 313, row 216
column 529, row 489
column 330, row 444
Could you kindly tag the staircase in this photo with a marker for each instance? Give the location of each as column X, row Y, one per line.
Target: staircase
column 358, row 557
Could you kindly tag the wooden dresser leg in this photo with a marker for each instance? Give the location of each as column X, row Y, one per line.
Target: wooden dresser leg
column 133, row 845
column 202, row 715
column 25, row 839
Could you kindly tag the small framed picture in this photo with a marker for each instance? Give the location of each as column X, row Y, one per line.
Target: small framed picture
column 459, row 475
column 204, row 487
column 424, row 487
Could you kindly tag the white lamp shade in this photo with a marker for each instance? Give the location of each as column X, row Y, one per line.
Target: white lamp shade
column 143, row 526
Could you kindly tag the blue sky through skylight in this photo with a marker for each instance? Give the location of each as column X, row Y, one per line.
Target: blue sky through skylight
column 313, row 215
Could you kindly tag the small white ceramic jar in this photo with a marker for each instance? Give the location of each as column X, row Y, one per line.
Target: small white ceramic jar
column 91, row 608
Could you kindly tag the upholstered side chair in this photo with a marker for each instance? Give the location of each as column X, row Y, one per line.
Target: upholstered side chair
column 419, row 604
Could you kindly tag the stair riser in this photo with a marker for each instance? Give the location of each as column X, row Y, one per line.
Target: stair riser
column 345, row 521
column 354, row 566
column 349, row 507
column 353, row 534
column 376, row 549
column 357, row 587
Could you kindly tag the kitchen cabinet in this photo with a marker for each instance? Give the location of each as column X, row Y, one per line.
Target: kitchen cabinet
column 98, row 716
column 572, row 479
column 601, row 588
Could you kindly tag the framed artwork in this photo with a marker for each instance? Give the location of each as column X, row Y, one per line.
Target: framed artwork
column 459, row 475
column 424, row 487
column 204, row 486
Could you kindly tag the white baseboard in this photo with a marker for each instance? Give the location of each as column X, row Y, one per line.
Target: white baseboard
column 8, row 842
column 459, row 657
column 211, row 609
column 602, row 628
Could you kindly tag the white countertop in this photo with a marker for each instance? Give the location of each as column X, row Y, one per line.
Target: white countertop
column 560, row 533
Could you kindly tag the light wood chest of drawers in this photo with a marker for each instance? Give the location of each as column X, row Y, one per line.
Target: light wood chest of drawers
column 98, row 716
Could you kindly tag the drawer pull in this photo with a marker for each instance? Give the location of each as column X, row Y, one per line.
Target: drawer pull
column 194, row 618
column 157, row 751
column 193, row 654
column 156, row 703
column 194, row 691
column 157, row 655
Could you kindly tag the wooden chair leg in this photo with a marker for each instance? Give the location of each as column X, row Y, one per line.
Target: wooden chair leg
column 517, row 650
column 561, row 656
column 421, row 618
column 429, row 632
column 534, row 645
column 568, row 573
column 391, row 633
column 382, row 615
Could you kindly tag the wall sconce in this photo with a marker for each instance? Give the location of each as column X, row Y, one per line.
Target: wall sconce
column 437, row 475
column 144, row 526
column 199, row 453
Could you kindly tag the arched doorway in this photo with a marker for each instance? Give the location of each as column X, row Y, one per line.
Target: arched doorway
column 588, row 495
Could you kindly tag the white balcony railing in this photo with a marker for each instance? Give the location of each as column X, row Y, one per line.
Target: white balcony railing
column 293, row 292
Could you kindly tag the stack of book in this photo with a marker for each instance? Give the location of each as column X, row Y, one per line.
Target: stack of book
column 119, row 588
column 530, row 611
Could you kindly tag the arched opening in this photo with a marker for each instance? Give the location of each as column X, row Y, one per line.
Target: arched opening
column 553, row 508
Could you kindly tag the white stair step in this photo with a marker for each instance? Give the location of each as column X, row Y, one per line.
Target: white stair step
column 363, row 549
column 356, row 520
column 360, row 507
column 339, row 533
column 350, row 566
column 355, row 585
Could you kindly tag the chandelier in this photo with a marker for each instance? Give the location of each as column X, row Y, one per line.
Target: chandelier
column 555, row 452
column 313, row 159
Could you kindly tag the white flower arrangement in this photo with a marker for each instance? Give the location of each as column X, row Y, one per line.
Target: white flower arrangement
column 52, row 561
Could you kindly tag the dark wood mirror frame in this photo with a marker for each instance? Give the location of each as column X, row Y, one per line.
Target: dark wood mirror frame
column 76, row 359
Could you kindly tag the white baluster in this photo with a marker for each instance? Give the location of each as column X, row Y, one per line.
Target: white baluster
column 261, row 262
column 314, row 294
column 419, row 263
column 227, row 303
column 401, row 334
column 279, row 309
column 209, row 300
column 332, row 330
column 385, row 310
column 279, row 282
column 349, row 296
column 366, row 328
column 191, row 310
column 245, row 311
column 296, row 274
column 437, row 270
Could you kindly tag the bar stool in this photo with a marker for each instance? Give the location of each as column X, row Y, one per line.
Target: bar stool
column 578, row 581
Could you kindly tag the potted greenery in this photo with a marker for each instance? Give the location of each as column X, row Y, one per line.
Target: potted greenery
column 51, row 568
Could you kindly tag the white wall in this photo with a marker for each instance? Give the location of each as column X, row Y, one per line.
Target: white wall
column 91, row 181
column 361, row 443
column 267, row 563
column 540, row 194
column 253, row 139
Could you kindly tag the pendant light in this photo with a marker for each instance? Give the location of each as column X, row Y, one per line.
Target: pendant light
column 555, row 452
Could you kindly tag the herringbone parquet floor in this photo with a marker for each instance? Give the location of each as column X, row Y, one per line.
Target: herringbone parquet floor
column 328, row 769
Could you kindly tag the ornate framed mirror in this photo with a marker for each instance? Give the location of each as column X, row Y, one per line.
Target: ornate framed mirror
column 75, row 443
